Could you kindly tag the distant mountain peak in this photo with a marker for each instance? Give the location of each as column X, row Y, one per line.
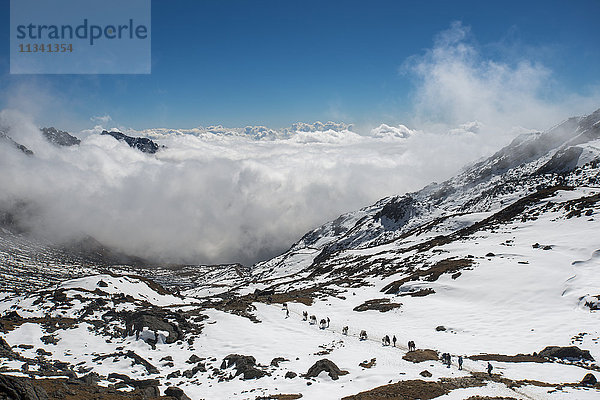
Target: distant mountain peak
column 5, row 138
column 144, row 145
column 60, row 138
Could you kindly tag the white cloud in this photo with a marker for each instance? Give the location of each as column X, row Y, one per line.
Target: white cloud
column 103, row 119
column 456, row 83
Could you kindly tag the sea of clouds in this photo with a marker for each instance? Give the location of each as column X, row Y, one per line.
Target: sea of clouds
column 217, row 195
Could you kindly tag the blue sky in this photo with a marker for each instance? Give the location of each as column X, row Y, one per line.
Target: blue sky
column 273, row 63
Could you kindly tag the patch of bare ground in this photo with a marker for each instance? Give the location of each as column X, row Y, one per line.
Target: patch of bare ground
column 381, row 305
column 421, row 355
column 431, row 274
column 280, row 397
column 504, row 358
column 304, row 296
column 417, row 389
column 241, row 306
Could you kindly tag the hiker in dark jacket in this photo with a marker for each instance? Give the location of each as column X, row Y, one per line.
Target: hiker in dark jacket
column 394, row 340
column 489, row 369
column 460, row 362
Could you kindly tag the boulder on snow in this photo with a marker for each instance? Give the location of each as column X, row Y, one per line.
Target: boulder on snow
column 325, row 365
column 567, row 353
column 244, row 365
column 421, row 355
column 290, row 375
column 425, row 373
column 589, row 380
column 177, row 393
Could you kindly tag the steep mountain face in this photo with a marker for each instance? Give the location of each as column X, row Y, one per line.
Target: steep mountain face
column 59, row 138
column 144, row 145
column 7, row 139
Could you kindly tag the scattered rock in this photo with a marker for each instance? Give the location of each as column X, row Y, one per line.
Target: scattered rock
column 425, row 374
column 440, row 328
column 490, row 255
column 327, row 366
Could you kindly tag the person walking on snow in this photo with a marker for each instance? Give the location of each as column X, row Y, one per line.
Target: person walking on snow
column 489, row 369
column 460, row 362
column 394, row 340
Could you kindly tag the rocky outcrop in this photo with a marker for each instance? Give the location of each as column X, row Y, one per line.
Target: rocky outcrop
column 6, row 351
column 13, row 388
column 5, row 138
column 176, row 393
column 59, row 138
column 144, row 145
column 244, row 365
column 325, row 365
column 566, row 353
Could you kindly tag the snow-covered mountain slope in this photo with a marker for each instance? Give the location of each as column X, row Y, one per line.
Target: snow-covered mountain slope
column 495, row 265
column 568, row 154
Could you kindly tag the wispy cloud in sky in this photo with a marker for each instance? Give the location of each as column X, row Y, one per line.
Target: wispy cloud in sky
column 455, row 83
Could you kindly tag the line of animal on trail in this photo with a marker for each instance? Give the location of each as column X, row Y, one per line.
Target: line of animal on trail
column 325, row 323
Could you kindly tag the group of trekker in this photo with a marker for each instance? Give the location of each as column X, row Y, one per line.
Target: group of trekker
column 385, row 341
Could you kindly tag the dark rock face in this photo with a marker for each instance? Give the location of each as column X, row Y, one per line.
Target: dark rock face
column 562, row 162
column 325, row 365
column 6, row 350
column 569, row 353
column 144, row 145
column 589, row 380
column 397, row 212
column 244, row 365
column 13, row 388
column 4, row 137
column 176, row 393
column 59, row 138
